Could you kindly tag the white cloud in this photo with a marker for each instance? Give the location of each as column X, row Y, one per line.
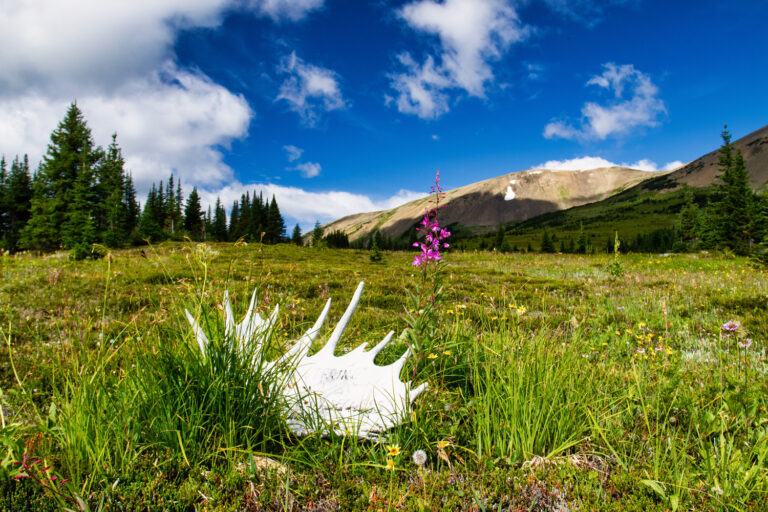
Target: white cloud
column 293, row 10
column 595, row 162
column 435, row 137
column 292, row 152
column 309, row 89
column 618, row 116
column 308, row 169
column 306, row 207
column 116, row 59
column 472, row 33
column 171, row 121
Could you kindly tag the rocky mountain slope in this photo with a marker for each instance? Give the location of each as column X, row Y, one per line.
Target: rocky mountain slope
column 702, row 171
column 512, row 197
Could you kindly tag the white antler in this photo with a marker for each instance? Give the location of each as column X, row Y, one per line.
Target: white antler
column 324, row 392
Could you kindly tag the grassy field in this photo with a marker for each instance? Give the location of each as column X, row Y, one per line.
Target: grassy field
column 556, row 382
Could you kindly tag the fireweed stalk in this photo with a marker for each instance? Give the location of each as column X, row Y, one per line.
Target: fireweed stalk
column 424, row 300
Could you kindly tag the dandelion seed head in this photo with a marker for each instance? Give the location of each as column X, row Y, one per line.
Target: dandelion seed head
column 419, row 457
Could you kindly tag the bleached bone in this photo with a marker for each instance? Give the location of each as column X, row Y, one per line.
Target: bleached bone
column 347, row 394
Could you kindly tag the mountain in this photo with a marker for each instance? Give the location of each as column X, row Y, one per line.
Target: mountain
column 512, row 197
column 702, row 171
column 644, row 208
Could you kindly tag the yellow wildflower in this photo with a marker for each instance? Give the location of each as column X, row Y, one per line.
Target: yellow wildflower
column 390, row 465
column 393, row 450
column 431, row 356
column 447, row 353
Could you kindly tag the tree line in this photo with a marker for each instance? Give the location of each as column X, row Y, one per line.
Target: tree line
column 81, row 195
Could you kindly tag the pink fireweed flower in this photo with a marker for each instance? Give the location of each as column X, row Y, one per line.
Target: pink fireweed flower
column 434, row 234
column 730, row 326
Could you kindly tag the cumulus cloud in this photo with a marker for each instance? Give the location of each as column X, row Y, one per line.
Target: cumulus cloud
column 308, row 169
column 471, row 33
column 595, row 162
column 307, row 207
column 173, row 120
column 309, row 90
column 619, row 115
column 292, row 152
column 293, row 10
column 116, row 59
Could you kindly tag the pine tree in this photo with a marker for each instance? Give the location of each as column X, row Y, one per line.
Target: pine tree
column 499, row 244
column 193, row 215
column 296, row 238
column 234, row 220
column 207, row 224
column 582, row 242
column 275, row 224
column 131, row 205
column 16, row 197
column 546, row 243
column 317, row 235
column 689, row 221
column 66, row 169
column 219, row 228
column 149, row 224
column 112, row 210
column 79, row 229
column 3, row 203
column 732, row 215
column 170, row 208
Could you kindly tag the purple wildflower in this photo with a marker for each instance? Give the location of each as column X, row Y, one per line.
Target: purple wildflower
column 730, row 326
column 434, row 234
column 746, row 343
column 641, row 350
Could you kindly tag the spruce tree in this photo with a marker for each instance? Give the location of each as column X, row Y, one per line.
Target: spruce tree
column 16, row 197
column 79, row 229
column 689, row 221
column 275, row 223
column 193, row 215
column 66, row 170
column 732, row 215
column 150, row 227
column 3, row 203
column 296, row 238
column 219, row 229
column 499, row 244
column 112, row 210
column 131, row 205
column 234, row 220
column 207, row 224
column 547, row 245
column 317, row 235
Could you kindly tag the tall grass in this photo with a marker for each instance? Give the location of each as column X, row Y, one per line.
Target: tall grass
column 530, row 398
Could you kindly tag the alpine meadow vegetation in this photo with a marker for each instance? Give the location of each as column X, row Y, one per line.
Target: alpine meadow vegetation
column 555, row 382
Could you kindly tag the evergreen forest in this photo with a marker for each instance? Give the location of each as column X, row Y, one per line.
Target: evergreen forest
column 82, row 198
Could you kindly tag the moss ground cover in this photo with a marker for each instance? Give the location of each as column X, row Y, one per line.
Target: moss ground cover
column 554, row 384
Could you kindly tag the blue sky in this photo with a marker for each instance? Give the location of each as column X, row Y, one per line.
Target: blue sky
column 339, row 106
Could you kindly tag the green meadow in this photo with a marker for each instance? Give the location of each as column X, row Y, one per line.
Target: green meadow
column 556, row 382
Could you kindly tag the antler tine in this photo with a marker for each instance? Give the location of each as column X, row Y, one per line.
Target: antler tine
column 229, row 318
column 397, row 366
column 202, row 340
column 380, row 346
column 330, row 347
column 302, row 346
column 417, row 391
column 247, row 328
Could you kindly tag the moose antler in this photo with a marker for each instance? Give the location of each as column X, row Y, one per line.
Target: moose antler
column 346, row 394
